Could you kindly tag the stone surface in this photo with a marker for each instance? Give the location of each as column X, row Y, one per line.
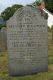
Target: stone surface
column 27, row 42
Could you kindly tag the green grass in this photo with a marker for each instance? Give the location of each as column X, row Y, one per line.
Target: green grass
column 39, row 76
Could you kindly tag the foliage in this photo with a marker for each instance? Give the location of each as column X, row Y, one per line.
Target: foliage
column 52, row 31
column 52, row 28
column 8, row 12
column 49, row 29
column 49, row 5
column 45, row 15
column 2, row 25
column 38, row 2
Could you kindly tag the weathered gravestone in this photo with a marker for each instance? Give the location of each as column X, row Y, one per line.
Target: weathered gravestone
column 3, row 39
column 27, row 42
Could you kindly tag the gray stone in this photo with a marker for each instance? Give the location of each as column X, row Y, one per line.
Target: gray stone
column 27, row 42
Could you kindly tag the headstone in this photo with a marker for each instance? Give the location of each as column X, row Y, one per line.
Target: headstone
column 27, row 42
column 3, row 39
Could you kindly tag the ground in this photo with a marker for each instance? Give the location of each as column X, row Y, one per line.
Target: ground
column 39, row 76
